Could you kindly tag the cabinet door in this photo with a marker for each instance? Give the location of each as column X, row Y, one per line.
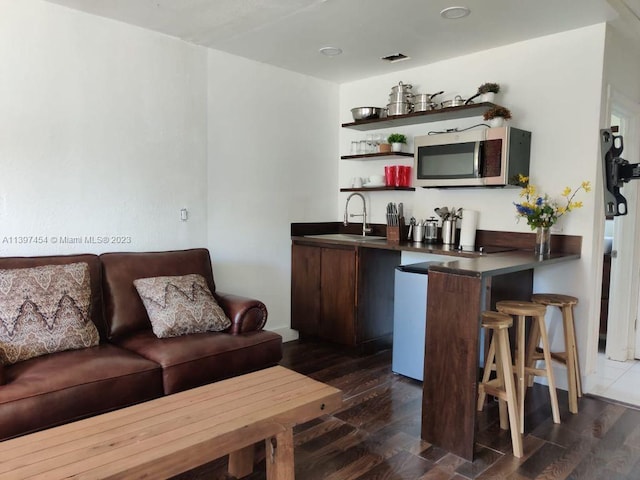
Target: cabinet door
column 305, row 289
column 338, row 295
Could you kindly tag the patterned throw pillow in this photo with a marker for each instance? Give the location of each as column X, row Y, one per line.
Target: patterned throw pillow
column 45, row 310
column 180, row 305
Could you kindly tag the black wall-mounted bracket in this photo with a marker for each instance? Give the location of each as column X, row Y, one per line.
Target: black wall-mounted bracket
column 616, row 171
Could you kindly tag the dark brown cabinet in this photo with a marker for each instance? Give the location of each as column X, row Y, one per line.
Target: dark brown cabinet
column 343, row 294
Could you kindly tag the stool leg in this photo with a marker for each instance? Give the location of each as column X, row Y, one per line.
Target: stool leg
column 574, row 347
column 534, row 341
column 549, row 368
column 500, row 373
column 570, row 363
column 490, row 360
column 520, row 368
column 505, row 365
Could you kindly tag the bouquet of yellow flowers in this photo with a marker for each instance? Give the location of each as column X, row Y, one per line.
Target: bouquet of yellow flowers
column 542, row 211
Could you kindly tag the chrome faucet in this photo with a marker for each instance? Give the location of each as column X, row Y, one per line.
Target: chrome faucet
column 365, row 229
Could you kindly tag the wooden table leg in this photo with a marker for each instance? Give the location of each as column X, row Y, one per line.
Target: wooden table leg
column 241, row 462
column 279, row 451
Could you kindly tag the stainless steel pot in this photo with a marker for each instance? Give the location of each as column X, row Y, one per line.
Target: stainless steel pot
column 401, row 87
column 456, row 102
column 424, row 106
column 401, row 97
column 399, row 108
column 426, row 97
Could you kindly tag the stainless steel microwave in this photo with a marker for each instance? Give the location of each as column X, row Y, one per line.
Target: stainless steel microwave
column 490, row 157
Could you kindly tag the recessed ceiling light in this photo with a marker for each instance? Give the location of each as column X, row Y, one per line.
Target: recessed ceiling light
column 330, row 51
column 453, row 13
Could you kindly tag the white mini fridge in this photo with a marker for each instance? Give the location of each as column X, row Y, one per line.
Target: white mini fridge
column 409, row 319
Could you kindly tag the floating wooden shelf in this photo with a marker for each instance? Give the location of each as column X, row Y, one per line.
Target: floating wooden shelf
column 364, row 156
column 449, row 113
column 378, row 189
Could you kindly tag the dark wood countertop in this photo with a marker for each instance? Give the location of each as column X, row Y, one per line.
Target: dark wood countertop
column 462, row 263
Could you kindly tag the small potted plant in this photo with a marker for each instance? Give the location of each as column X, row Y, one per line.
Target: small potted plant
column 396, row 140
column 488, row 91
column 497, row 115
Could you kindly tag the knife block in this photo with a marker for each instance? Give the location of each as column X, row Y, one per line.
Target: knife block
column 394, row 232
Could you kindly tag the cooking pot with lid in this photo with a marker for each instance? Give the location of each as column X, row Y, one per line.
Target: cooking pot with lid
column 399, row 108
column 424, row 106
column 426, row 97
column 401, row 97
column 402, row 88
column 456, row 102
column 424, row 102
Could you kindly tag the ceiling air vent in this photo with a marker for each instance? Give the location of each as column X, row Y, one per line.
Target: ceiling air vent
column 396, row 57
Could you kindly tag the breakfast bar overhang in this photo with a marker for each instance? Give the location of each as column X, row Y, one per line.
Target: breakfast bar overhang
column 458, row 292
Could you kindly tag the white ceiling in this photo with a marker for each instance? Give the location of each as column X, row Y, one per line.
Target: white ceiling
column 288, row 33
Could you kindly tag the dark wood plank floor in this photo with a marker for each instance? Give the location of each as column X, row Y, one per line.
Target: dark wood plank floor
column 376, row 435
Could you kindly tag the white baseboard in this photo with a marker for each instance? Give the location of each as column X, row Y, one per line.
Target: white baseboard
column 288, row 334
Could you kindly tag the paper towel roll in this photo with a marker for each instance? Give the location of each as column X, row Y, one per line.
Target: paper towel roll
column 468, row 229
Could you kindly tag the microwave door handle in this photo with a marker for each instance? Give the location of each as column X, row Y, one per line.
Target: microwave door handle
column 476, row 158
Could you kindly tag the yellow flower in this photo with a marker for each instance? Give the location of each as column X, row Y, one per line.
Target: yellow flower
column 530, row 190
column 523, row 178
column 540, row 210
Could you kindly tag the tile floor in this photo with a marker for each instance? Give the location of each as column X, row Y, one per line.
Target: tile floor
column 617, row 380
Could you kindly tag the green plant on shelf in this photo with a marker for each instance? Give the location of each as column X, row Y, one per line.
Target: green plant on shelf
column 397, row 138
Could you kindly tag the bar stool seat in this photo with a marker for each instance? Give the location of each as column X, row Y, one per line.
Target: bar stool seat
column 502, row 387
column 520, row 310
column 570, row 355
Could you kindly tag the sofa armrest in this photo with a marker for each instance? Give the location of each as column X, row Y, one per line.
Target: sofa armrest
column 246, row 314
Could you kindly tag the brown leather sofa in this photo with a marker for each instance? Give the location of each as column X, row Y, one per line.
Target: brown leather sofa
column 130, row 365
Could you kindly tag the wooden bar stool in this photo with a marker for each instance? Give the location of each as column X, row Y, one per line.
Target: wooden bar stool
column 570, row 355
column 503, row 386
column 520, row 310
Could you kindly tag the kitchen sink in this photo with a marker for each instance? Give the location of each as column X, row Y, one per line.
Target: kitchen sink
column 347, row 237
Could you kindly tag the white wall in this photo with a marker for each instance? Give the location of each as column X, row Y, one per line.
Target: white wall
column 272, row 161
column 108, row 130
column 553, row 89
column 102, row 133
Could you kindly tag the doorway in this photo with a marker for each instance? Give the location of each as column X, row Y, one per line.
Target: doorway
column 617, row 373
column 621, row 233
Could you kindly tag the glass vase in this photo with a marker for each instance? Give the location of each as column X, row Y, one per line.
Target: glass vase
column 543, row 241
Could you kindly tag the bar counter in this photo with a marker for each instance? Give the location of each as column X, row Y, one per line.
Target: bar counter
column 458, row 291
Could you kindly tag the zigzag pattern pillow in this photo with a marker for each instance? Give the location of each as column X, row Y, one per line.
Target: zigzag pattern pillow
column 180, row 305
column 45, row 310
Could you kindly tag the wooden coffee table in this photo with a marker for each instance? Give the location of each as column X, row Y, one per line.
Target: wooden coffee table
column 173, row 434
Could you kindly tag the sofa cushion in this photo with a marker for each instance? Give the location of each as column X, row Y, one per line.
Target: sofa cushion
column 195, row 360
column 95, row 274
column 124, row 310
column 66, row 386
column 180, row 305
column 43, row 310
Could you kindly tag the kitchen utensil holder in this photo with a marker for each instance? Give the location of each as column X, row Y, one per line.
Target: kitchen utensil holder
column 395, row 232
